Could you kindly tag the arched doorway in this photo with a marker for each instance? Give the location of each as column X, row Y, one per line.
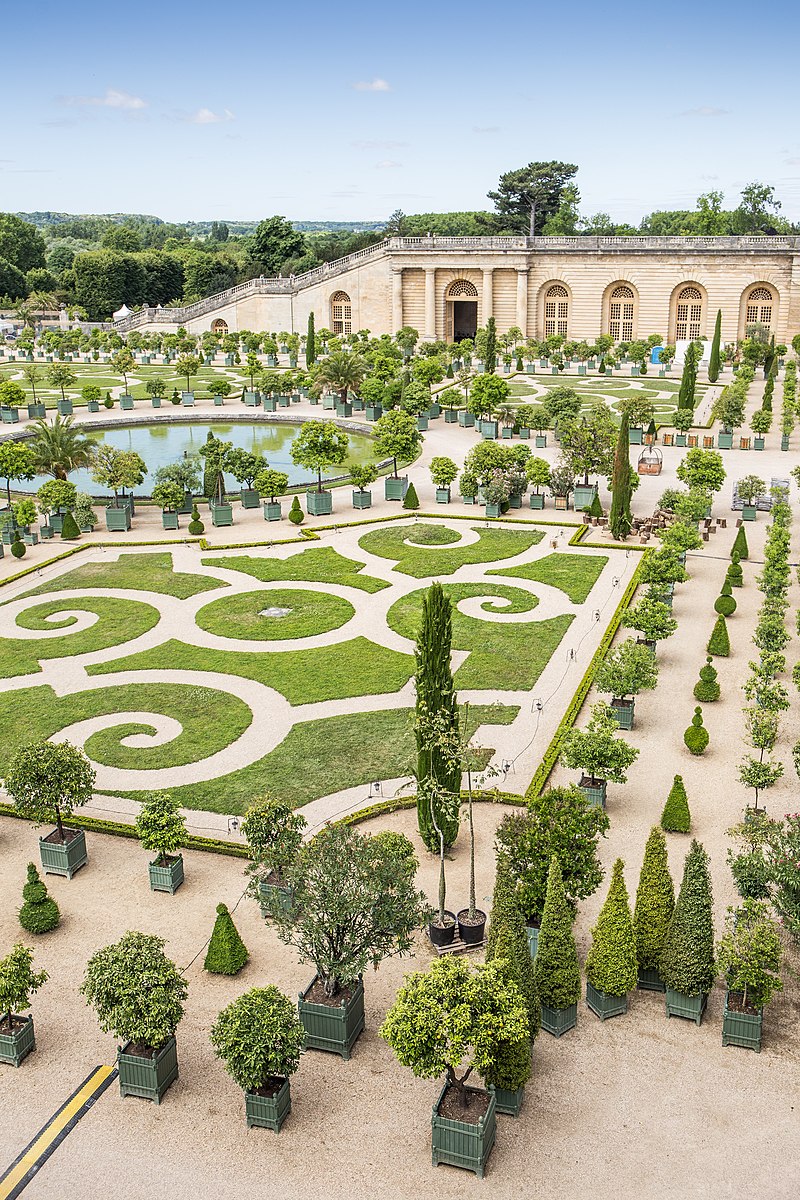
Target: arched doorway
column 556, row 310
column 219, row 326
column 689, row 322
column 461, row 302
column 622, row 312
column 341, row 314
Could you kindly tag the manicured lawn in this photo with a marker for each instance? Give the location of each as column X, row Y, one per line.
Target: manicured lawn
column 119, row 621
column 421, row 562
column 134, row 572
column 505, row 657
column 302, row 614
column 575, row 574
column 322, row 565
column 320, row 757
column 211, row 720
column 358, row 667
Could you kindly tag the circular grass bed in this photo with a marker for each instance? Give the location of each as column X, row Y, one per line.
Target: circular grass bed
column 296, row 613
column 423, row 534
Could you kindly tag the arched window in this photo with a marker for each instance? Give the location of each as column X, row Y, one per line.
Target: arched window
column 341, row 313
column 758, row 311
column 689, row 322
column 219, row 326
column 556, row 310
column 620, row 313
column 462, row 289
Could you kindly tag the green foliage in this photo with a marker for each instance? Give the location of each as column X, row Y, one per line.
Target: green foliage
column 410, row 500
column 676, row 817
column 725, row 606
column 783, row 855
column 454, row 1017
column 749, row 954
column 274, row 834
column 558, row 977
column 739, row 547
column 713, row 362
column 651, row 618
column 196, row 526
column 508, row 940
column 18, row 546
column 137, row 993
column 47, row 781
column 259, row 1037
column 619, row 520
column 719, row 642
column 627, row 670
column 597, row 750
column 611, row 965
column 296, row 514
column 687, row 963
column 655, row 902
column 39, row 912
column 707, row 688
column 168, row 496
column 435, row 701
column 702, row 470
column 443, row 471
column 160, row 825
column 227, row 953
column 69, row 527
column 696, row 737
column 18, row 980
column 397, row 436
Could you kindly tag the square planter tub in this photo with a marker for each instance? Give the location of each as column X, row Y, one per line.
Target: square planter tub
column 509, row 1103
column 450, row 416
column 537, row 500
column 532, row 932
column 221, row 514
column 443, row 495
column 373, row 412
column 741, row 1028
column 272, row 512
column 623, row 712
column 18, row 1044
column 559, row 1021
column 395, row 488
column 268, row 1112
column 725, row 441
column 169, row 520
column 650, row 980
column 362, row 499
column 690, row 1007
column 118, row 520
column 603, row 1005
column 749, row 512
column 466, row 419
column 583, row 494
column 167, row 878
column 249, row 497
column 269, row 891
column 332, row 1028
column 594, row 790
column 147, row 1078
column 319, row 504
column 63, row 858
column 464, row 1144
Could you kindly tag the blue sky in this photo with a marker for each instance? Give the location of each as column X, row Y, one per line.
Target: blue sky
column 347, row 112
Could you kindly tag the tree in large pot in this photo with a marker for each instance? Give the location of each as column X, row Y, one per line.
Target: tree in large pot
column 451, row 1020
column 749, row 956
column 652, row 619
column 274, row 833
column 625, row 671
column 137, row 994
column 318, row 445
column 271, row 485
column 161, row 828
column 655, row 904
column 18, row 982
column 598, row 753
column 259, row 1038
column 169, row 497
column 611, row 970
column 687, row 960
column 118, row 470
column 245, row 466
column 397, row 437
column 558, row 976
column 47, row 781
column 353, row 903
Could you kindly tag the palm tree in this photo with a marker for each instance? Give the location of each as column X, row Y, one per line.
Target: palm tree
column 60, row 447
column 342, row 370
column 507, row 414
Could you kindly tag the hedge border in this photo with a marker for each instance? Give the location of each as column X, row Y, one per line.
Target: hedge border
column 401, row 802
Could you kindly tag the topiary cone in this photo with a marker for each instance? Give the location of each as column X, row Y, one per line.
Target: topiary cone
column 687, row 962
column 655, row 900
column 719, row 642
column 410, row 499
column 558, row 977
column 69, row 528
column 676, row 817
column 227, row 953
column 740, row 547
column 611, row 965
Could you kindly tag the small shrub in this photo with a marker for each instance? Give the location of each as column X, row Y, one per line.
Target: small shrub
column 39, row 912
column 707, row 688
column 108, row 402
column 740, row 544
column 196, row 526
column 676, row 817
column 296, row 514
column 69, row 528
column 726, row 589
column 227, row 953
column 725, row 606
column 735, row 572
column 719, row 643
column 410, row 499
column 696, row 736
column 18, row 546
column 595, row 509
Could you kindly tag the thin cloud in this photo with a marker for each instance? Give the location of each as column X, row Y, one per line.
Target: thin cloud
column 485, row 128
column 705, row 110
column 387, row 164
column 112, row 99
column 206, row 116
column 792, row 162
column 372, row 85
column 378, row 145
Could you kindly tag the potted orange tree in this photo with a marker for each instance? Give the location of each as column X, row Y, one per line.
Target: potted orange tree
column 162, row 829
column 274, row 833
column 18, row 982
column 598, row 754
column 47, row 781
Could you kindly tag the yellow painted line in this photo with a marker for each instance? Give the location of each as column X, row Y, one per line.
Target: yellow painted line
column 51, row 1131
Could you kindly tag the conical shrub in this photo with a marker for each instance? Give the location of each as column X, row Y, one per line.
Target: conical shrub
column 726, row 589
column 611, row 965
column 676, row 817
column 296, row 513
column 39, row 912
column 655, row 901
column 69, row 527
column 558, row 977
column 707, row 689
column 740, row 547
column 510, row 943
column 227, row 953
column 687, row 963
column 410, row 499
column 504, row 901
column 719, row 643
column 512, row 1065
column 696, row 736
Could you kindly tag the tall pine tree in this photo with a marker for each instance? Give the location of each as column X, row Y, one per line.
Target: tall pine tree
column 713, row 363
column 436, row 701
column 619, row 520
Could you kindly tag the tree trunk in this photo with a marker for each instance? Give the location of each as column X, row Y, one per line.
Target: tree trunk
column 59, row 824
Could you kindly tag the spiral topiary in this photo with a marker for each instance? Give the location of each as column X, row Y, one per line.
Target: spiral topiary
column 696, row 736
column 676, row 817
column 39, row 912
column 707, row 689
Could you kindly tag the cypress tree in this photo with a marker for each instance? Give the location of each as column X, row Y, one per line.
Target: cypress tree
column 676, row 817
column 655, row 902
column 707, row 688
column 410, row 500
column 39, row 912
column 227, row 953
column 688, row 378
column 558, row 976
column 436, row 696
column 611, row 965
column 504, row 900
column 311, row 342
column 491, row 346
column 740, row 547
column 512, row 1061
column 713, row 363
column 719, row 643
column 687, row 962
column 69, row 528
column 619, row 520
column 508, row 939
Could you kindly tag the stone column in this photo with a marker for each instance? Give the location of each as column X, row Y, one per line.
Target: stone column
column 430, row 304
column 488, row 308
column 397, row 299
column 522, row 299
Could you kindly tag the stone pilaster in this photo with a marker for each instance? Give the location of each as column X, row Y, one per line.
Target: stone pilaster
column 397, row 299
column 488, row 301
column 430, row 304
column 522, row 299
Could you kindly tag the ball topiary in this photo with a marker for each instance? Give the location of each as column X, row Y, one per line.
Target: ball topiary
column 108, row 402
column 725, row 606
column 696, row 736
column 707, row 689
column 227, row 953
column 18, row 546
column 39, row 912
column 719, row 643
column 676, row 817
column 740, row 544
column 410, row 499
column 735, row 573
column 196, row 526
column 69, row 528
column 296, row 514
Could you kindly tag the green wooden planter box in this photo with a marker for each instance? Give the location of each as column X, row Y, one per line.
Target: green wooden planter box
column 272, row 512
column 450, row 416
column 319, row 504
column 603, row 1005
column 524, row 433
column 10, row 416
column 559, row 1021
column 488, row 430
column 395, row 487
column 64, row 858
column 148, row 1078
column 466, row 419
column 249, row 497
column 329, row 402
column 784, row 441
column 541, row 441
column 725, row 441
column 583, row 495
column 221, row 514
column 758, row 443
column 532, row 932
column 507, row 432
column 650, row 981
column 155, row 401
column 252, row 399
column 167, row 879
column 435, row 411
column 635, row 437
column 509, row 1103
column 463, row 1143
column 749, row 512
column 358, row 404
column 333, row 1029
column 690, row 1007
column 219, row 401
column 268, row 1112
column 187, row 399
column 36, row 411
column 266, row 891
column 373, row 412
column 623, row 712
column 93, row 406
column 118, row 520
column 270, row 404
column 283, row 401
column 422, row 423
column 126, row 403
column 493, row 510
column 514, row 501
column 468, row 500
column 65, row 408
column 362, row 499
column 443, row 495
column 742, row 1029
column 169, row 520
column 680, row 439
column 46, row 532
column 16, row 1046
column 188, row 504
column 595, row 792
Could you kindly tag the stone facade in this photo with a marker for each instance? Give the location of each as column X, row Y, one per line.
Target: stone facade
column 627, row 286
